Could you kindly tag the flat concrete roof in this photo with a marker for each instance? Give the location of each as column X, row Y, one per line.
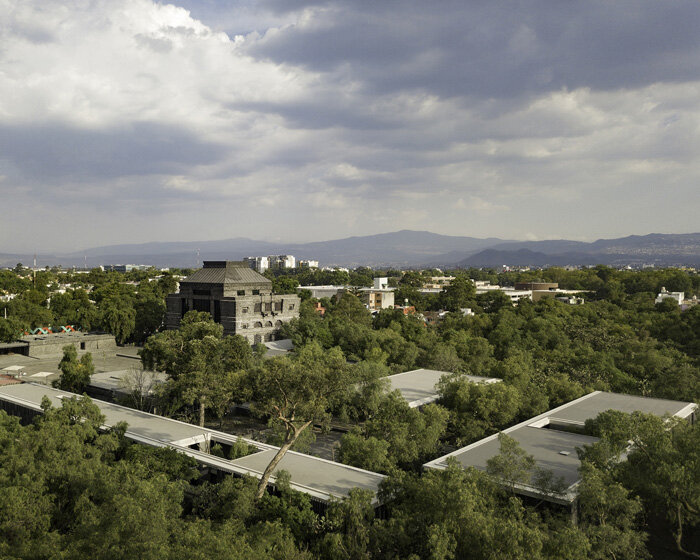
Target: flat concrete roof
column 318, row 477
column 140, row 423
column 555, row 449
column 418, row 386
column 112, row 380
column 103, row 362
column 591, row 405
column 318, row 474
column 543, row 444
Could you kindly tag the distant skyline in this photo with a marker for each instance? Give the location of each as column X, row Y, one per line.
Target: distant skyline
column 295, row 121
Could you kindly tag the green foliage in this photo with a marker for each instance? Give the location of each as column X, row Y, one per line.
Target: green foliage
column 512, row 465
column 661, row 466
column 203, row 366
column 70, row 491
column 478, row 410
column 10, row 329
column 395, row 435
column 119, row 317
column 459, row 294
column 75, row 373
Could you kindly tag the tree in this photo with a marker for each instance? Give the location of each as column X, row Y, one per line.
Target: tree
column 75, row 308
column 10, row 329
column 140, row 386
column 661, row 465
column 149, row 316
column 396, row 434
column 493, row 300
column 476, row 410
column 459, row 294
column 297, row 392
column 350, row 308
column 203, row 366
column 609, row 515
column 75, row 374
column 119, row 317
column 512, row 465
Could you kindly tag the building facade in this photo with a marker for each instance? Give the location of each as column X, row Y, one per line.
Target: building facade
column 237, row 297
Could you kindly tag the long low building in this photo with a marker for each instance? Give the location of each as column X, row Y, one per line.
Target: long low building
column 321, row 479
column 552, row 440
column 418, row 386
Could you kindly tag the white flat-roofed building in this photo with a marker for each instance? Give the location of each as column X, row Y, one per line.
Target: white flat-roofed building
column 678, row 297
column 550, row 440
column 259, row 264
column 321, row 479
column 418, row 386
column 319, row 292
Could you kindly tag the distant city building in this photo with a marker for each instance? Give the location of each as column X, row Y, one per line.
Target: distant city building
column 536, row 286
column 378, row 297
column 126, row 267
column 678, row 297
column 277, row 262
column 319, row 292
column 259, row 264
column 237, row 297
column 438, row 282
column 282, row 261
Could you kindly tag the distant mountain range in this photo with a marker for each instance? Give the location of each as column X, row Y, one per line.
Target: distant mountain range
column 398, row 249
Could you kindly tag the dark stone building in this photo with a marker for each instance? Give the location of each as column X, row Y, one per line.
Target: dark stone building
column 237, row 297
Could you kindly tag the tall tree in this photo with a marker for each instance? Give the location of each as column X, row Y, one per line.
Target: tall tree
column 297, row 392
column 203, row 366
column 119, row 317
column 662, row 465
column 460, row 293
column 75, row 373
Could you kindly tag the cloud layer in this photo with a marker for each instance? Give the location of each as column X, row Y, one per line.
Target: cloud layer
column 135, row 120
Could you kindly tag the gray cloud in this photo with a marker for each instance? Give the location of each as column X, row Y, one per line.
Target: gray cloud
column 59, row 152
column 314, row 120
column 499, row 49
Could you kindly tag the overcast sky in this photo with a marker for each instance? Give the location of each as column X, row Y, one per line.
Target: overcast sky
column 133, row 120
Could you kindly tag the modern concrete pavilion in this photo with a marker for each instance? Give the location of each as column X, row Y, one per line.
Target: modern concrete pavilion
column 321, row 479
column 546, row 439
column 418, row 387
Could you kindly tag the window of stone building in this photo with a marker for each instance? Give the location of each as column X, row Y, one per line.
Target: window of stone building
column 257, row 308
column 244, row 310
column 241, row 292
column 256, row 292
column 278, row 306
column 291, row 307
column 244, row 325
column 258, row 325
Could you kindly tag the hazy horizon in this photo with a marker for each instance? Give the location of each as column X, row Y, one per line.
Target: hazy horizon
column 310, row 120
column 77, row 250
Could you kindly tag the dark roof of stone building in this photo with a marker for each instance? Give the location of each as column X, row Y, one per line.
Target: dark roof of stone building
column 227, row 272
